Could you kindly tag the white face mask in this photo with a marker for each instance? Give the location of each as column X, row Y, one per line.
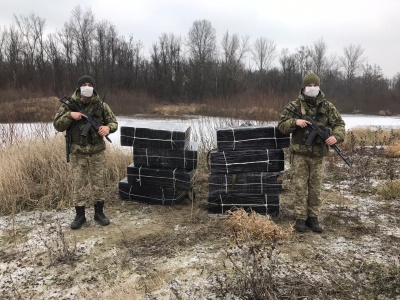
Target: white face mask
column 311, row 91
column 87, row 91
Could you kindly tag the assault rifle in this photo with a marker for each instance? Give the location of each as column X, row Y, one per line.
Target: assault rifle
column 90, row 122
column 316, row 130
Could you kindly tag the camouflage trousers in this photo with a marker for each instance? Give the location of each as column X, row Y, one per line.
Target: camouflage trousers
column 88, row 178
column 307, row 176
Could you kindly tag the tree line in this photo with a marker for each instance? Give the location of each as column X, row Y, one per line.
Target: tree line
column 189, row 69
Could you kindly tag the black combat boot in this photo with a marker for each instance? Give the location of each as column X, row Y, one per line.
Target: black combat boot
column 300, row 225
column 99, row 214
column 80, row 218
column 312, row 222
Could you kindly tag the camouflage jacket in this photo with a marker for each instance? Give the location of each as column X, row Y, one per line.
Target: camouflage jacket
column 98, row 110
column 323, row 112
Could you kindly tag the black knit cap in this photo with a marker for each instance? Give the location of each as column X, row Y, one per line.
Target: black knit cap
column 85, row 79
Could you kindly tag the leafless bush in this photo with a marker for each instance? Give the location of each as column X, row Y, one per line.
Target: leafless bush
column 377, row 281
column 371, row 160
column 9, row 280
column 254, row 270
column 58, row 249
column 251, row 264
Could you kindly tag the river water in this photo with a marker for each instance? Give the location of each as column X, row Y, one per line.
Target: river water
column 203, row 128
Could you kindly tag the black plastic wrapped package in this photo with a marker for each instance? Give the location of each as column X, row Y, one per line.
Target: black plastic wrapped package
column 166, row 158
column 156, row 135
column 251, row 137
column 248, row 183
column 270, row 160
column 151, row 195
column 176, row 179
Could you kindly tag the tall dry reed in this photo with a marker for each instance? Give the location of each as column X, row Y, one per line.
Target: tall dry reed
column 35, row 174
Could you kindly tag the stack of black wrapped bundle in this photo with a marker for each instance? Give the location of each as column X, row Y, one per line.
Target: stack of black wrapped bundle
column 245, row 171
column 251, row 137
column 164, row 163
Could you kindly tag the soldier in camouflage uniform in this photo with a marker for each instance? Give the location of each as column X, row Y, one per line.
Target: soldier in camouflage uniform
column 307, row 162
column 88, row 160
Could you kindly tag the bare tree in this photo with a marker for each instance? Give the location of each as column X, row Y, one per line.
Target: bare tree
column 66, row 39
column 56, row 59
column 320, row 63
column 201, row 43
column 317, row 54
column 395, row 83
column 352, row 60
column 289, row 69
column 173, row 50
column 372, row 78
column 264, row 53
column 129, row 64
column 30, row 59
column 31, row 28
column 82, row 25
column 105, row 51
column 234, row 52
column 13, row 54
column 139, row 64
column 302, row 58
column 3, row 64
column 168, row 66
column 331, row 66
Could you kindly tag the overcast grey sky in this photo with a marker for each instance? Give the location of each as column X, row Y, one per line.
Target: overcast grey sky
column 373, row 24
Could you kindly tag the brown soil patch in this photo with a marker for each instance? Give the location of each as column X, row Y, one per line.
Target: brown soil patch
column 156, row 252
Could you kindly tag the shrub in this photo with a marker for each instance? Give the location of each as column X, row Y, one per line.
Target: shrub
column 389, row 190
column 251, row 259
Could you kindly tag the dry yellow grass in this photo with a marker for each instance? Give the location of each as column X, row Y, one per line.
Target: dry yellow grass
column 178, row 109
column 30, row 110
column 393, row 150
column 243, row 106
column 389, row 190
column 127, row 290
column 371, row 137
column 35, row 174
column 245, row 227
column 30, row 171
